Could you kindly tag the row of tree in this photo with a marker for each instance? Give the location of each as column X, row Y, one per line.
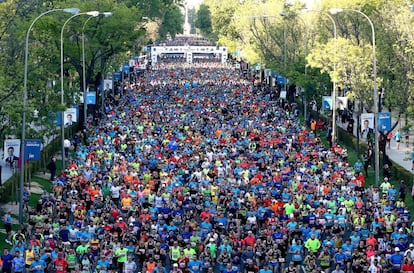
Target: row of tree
column 110, row 41
column 289, row 36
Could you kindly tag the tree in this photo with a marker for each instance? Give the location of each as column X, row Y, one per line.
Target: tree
column 107, row 41
column 172, row 23
column 347, row 64
column 203, row 20
column 396, row 57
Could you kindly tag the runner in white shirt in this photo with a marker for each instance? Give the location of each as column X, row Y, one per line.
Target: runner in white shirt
column 130, row 266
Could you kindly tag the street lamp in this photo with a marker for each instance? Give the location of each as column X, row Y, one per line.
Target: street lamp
column 85, row 104
column 333, row 83
column 26, row 56
column 283, row 14
column 62, row 93
column 376, row 106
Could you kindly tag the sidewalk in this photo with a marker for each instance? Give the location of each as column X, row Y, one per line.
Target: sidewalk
column 402, row 156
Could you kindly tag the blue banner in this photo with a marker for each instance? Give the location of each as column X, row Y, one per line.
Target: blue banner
column 281, row 80
column 125, row 68
column 32, row 149
column 326, row 103
column 58, row 118
column 384, row 121
column 117, row 76
column 91, row 97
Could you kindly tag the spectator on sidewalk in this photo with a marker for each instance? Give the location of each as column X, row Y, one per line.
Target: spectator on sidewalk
column 51, row 166
column 7, row 222
column 407, row 137
column 66, row 146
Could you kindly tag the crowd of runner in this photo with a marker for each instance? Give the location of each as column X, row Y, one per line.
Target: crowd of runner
column 193, row 170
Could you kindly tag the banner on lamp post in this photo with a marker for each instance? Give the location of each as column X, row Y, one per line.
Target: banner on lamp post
column 11, row 149
column 384, row 121
column 32, row 149
column 327, row 103
column 91, row 97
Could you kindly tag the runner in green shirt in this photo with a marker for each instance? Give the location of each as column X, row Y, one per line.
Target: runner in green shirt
column 121, row 254
column 82, row 249
column 313, row 244
column 71, row 260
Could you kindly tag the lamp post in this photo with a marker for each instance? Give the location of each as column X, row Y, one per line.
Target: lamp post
column 333, row 83
column 62, row 93
column 283, row 14
column 85, row 104
column 26, row 57
column 376, row 106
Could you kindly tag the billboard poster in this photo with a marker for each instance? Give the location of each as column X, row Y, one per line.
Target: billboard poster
column 70, row 116
column 341, row 103
column 107, row 84
column 11, row 150
column 367, row 125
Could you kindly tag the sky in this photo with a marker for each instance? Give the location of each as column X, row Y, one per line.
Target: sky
column 194, row 3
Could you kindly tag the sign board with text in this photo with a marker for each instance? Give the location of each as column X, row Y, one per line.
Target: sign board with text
column 32, row 149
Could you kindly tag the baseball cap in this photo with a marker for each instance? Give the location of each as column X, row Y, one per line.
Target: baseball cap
column 397, row 249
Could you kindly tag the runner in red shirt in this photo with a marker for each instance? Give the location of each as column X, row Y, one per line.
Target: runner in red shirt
column 60, row 264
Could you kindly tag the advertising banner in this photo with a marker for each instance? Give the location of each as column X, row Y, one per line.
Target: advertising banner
column 367, row 125
column 91, row 97
column 11, row 150
column 32, row 149
column 70, row 117
column 327, row 103
column 384, row 121
column 341, row 103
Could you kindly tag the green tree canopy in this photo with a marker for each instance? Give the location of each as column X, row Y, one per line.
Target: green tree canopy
column 109, row 41
column 203, row 20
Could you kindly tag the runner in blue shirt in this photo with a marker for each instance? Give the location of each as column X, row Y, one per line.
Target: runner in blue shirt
column 396, row 260
column 37, row 266
column 7, row 260
column 18, row 262
column 195, row 265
